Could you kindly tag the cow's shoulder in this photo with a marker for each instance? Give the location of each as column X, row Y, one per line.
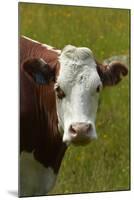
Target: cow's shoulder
column 41, row 179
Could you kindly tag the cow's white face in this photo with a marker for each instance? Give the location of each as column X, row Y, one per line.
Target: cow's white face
column 78, row 85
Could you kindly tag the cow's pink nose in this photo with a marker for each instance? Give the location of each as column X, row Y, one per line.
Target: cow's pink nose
column 80, row 128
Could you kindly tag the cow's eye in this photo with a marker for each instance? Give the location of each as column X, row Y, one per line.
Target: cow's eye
column 98, row 89
column 60, row 93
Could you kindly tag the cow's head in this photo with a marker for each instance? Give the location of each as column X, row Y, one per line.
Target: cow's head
column 78, row 84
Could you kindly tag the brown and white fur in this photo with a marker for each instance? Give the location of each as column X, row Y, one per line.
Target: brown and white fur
column 59, row 92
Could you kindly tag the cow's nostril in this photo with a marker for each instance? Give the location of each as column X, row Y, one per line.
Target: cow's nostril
column 73, row 130
column 88, row 127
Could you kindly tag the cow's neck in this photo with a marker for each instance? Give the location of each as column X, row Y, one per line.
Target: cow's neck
column 50, row 149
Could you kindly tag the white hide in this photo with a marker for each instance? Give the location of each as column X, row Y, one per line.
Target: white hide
column 78, row 78
column 35, row 179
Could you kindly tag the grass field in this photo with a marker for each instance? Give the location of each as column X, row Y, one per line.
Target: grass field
column 104, row 164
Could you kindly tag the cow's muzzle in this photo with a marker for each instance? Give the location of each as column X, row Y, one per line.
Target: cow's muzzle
column 80, row 132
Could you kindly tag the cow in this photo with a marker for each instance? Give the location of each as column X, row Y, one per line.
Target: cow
column 59, row 92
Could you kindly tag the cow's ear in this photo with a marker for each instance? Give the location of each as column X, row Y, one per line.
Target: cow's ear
column 39, row 71
column 112, row 73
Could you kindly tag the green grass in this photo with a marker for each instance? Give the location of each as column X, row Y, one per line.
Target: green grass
column 104, row 164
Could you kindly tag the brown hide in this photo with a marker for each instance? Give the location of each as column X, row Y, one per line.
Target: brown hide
column 38, row 117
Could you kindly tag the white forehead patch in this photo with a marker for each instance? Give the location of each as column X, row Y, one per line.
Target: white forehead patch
column 76, row 53
column 77, row 66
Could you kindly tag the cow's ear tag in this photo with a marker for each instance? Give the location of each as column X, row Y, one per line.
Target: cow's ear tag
column 40, row 79
column 39, row 71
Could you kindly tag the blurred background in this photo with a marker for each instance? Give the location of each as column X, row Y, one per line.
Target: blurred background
column 104, row 165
